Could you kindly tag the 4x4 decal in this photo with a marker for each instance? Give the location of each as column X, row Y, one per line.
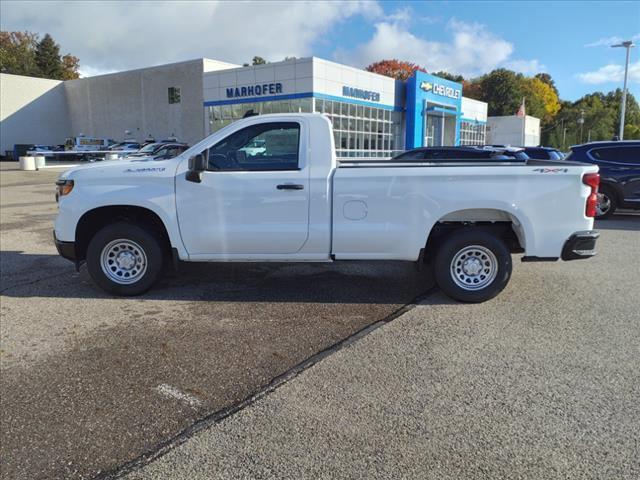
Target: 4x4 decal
column 551, row 170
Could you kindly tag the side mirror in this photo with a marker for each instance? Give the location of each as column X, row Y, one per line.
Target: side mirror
column 197, row 163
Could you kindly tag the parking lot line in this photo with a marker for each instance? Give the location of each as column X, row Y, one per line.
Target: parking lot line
column 172, row 392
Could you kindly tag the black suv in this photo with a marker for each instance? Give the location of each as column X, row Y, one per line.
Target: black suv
column 431, row 154
column 619, row 164
column 544, row 153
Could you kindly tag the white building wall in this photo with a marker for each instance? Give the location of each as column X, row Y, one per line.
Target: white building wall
column 138, row 101
column 32, row 111
column 301, row 76
column 513, row 130
column 474, row 110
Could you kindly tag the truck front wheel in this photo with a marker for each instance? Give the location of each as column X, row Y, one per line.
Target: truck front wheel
column 124, row 259
column 472, row 265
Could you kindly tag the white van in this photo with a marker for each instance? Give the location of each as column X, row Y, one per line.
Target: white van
column 85, row 144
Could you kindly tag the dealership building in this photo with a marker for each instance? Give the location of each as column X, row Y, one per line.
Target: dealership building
column 373, row 116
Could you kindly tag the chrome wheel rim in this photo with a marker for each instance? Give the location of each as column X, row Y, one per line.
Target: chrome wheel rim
column 474, row 267
column 123, row 261
column 604, row 204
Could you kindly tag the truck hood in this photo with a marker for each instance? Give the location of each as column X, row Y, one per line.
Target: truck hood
column 124, row 167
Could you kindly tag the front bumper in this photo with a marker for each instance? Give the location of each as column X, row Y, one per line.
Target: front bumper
column 65, row 249
column 580, row 245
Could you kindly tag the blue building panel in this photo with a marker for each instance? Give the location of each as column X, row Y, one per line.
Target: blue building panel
column 429, row 93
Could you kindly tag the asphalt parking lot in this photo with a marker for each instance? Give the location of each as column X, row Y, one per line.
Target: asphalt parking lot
column 541, row 382
column 87, row 379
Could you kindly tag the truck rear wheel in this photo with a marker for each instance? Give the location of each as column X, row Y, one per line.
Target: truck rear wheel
column 124, row 259
column 472, row 265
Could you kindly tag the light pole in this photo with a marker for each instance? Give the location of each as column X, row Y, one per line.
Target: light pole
column 628, row 44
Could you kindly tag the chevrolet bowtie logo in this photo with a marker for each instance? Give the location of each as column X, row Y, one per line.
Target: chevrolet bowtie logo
column 426, row 86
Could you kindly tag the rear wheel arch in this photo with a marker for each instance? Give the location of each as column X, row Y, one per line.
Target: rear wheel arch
column 500, row 223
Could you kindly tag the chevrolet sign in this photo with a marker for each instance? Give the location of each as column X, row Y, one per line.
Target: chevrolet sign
column 439, row 89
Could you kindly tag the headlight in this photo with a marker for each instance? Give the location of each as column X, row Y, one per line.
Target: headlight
column 63, row 187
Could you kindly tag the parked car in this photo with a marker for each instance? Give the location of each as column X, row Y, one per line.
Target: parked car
column 490, row 152
column 125, row 147
column 294, row 202
column 619, row 164
column 159, row 151
column 543, row 153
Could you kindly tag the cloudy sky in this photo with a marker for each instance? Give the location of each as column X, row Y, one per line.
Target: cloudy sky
column 569, row 40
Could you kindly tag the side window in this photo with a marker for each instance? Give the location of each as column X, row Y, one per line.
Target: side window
column 266, row 146
column 630, row 154
column 465, row 154
column 433, row 154
column 606, row 154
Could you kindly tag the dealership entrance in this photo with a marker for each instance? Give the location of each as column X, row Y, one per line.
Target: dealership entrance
column 439, row 125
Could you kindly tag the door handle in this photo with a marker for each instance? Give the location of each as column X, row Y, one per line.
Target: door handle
column 290, row 186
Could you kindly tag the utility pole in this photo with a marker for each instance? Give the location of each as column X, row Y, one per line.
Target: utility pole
column 628, row 44
column 581, row 122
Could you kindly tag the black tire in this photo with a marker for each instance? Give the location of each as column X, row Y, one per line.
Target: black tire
column 477, row 242
column 140, row 244
column 606, row 196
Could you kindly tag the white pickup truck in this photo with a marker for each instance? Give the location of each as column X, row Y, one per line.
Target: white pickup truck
column 291, row 201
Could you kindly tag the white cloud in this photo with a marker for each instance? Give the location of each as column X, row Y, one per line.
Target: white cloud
column 611, row 73
column 109, row 36
column 608, row 41
column 528, row 67
column 472, row 50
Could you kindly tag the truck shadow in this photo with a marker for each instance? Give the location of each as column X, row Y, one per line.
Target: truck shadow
column 49, row 276
column 628, row 220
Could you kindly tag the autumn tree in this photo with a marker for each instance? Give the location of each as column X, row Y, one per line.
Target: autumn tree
column 394, row 68
column 70, row 67
column 17, row 53
column 22, row 53
column 546, row 78
column 541, row 99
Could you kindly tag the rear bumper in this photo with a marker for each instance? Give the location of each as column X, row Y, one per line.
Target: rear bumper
column 65, row 249
column 580, row 245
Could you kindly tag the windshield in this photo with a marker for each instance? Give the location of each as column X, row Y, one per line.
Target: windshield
column 149, row 148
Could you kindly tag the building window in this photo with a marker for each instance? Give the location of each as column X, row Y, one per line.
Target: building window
column 359, row 132
column 222, row 115
column 174, row 95
column 472, row 133
column 362, row 132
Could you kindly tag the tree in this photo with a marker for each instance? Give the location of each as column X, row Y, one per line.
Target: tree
column 541, row 100
column 601, row 114
column 394, row 68
column 503, row 90
column 258, row 61
column 48, row 58
column 472, row 89
column 449, row 76
column 17, row 53
column 21, row 53
column 546, row 78
column 70, row 67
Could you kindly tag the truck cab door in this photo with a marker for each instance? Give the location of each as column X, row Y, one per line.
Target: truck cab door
column 253, row 199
